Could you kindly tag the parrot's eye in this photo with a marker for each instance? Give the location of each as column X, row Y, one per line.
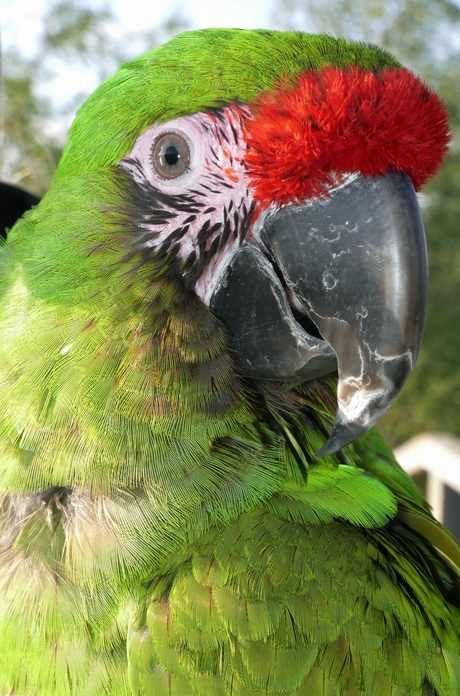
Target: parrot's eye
column 170, row 155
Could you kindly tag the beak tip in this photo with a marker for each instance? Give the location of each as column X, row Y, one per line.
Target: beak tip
column 342, row 434
column 358, row 414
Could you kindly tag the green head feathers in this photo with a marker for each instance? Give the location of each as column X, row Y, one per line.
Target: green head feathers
column 193, row 72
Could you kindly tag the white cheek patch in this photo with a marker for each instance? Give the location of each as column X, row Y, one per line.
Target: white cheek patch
column 211, row 195
column 212, row 273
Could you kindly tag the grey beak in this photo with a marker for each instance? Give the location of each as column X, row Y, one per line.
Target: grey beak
column 353, row 263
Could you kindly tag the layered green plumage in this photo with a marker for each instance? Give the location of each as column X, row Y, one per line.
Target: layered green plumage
column 166, row 527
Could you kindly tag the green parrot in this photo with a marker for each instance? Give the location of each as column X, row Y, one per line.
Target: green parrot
column 200, row 323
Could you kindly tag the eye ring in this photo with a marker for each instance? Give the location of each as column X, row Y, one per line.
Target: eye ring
column 170, row 155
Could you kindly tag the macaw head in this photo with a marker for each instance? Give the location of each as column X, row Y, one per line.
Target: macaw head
column 275, row 174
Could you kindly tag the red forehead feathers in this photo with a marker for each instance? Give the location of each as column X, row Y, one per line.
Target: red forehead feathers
column 336, row 120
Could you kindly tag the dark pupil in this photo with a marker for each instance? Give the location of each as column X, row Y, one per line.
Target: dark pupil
column 171, row 155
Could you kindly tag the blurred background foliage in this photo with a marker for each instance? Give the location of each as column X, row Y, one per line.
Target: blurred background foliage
column 80, row 39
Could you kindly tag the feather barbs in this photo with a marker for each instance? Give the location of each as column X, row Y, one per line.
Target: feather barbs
column 332, row 121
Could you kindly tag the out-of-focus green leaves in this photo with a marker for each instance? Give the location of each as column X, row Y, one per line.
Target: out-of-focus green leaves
column 76, row 30
column 29, row 151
